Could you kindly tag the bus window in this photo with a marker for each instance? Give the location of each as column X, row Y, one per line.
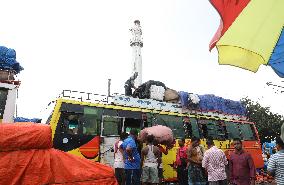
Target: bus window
column 90, row 121
column 110, row 112
column 202, row 124
column 69, row 123
column 194, row 127
column 212, row 128
column 131, row 123
column 173, row 122
column 247, row 131
column 232, row 130
column 187, row 127
column 111, row 126
column 132, row 120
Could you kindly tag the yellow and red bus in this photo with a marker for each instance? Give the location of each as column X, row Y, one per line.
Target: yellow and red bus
column 88, row 128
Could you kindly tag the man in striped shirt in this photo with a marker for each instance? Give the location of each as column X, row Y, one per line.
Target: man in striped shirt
column 215, row 161
column 276, row 163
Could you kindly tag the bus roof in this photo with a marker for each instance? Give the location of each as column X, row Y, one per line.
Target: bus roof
column 122, row 102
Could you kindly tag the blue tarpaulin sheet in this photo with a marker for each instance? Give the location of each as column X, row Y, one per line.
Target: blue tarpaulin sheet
column 8, row 60
column 184, row 98
column 21, row 119
column 211, row 102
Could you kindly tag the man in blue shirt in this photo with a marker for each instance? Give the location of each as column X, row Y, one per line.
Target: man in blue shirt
column 132, row 163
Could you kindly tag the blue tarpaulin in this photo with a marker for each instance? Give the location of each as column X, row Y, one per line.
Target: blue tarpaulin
column 21, row 119
column 210, row 102
column 183, row 98
column 8, row 60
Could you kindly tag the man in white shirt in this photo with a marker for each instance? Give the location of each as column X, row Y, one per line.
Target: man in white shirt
column 215, row 161
column 150, row 158
column 119, row 160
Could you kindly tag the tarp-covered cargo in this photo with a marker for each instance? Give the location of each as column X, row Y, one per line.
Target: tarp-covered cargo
column 27, row 157
column 8, row 60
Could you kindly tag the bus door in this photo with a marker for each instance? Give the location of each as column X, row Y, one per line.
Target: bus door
column 111, row 127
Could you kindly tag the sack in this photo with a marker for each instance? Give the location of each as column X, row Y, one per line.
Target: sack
column 143, row 91
column 6, row 75
column 157, row 92
column 171, row 94
column 163, row 135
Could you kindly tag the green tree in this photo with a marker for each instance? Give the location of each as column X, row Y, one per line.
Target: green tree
column 267, row 123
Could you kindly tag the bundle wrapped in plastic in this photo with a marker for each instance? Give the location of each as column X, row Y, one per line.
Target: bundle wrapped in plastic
column 194, row 98
column 163, row 135
column 157, row 92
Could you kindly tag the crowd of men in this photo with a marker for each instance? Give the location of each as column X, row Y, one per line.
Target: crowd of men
column 194, row 164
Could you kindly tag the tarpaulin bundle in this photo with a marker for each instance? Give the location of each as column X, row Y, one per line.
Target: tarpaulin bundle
column 211, row 102
column 8, row 60
column 143, row 91
column 184, row 98
column 21, row 119
column 42, row 164
column 23, row 136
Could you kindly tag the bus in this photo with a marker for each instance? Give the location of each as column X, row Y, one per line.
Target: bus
column 88, row 127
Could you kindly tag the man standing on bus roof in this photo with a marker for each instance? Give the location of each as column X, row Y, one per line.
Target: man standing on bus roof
column 242, row 169
column 215, row 161
column 276, row 162
column 132, row 159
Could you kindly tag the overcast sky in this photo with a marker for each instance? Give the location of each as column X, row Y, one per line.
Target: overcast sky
column 79, row 45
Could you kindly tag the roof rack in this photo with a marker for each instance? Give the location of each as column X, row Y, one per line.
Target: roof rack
column 85, row 96
column 150, row 104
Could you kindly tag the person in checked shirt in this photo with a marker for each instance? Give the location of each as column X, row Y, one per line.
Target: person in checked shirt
column 214, row 162
column 276, row 163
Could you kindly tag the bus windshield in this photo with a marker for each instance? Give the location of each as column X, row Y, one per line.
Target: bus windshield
column 81, row 120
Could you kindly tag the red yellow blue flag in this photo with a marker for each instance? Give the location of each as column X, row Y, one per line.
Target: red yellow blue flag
column 251, row 33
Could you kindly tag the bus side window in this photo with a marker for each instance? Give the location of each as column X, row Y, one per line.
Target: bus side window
column 111, row 126
column 247, row 131
column 187, row 129
column 173, row 122
column 191, row 128
column 212, row 128
column 202, row 124
column 233, row 130
column 222, row 133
